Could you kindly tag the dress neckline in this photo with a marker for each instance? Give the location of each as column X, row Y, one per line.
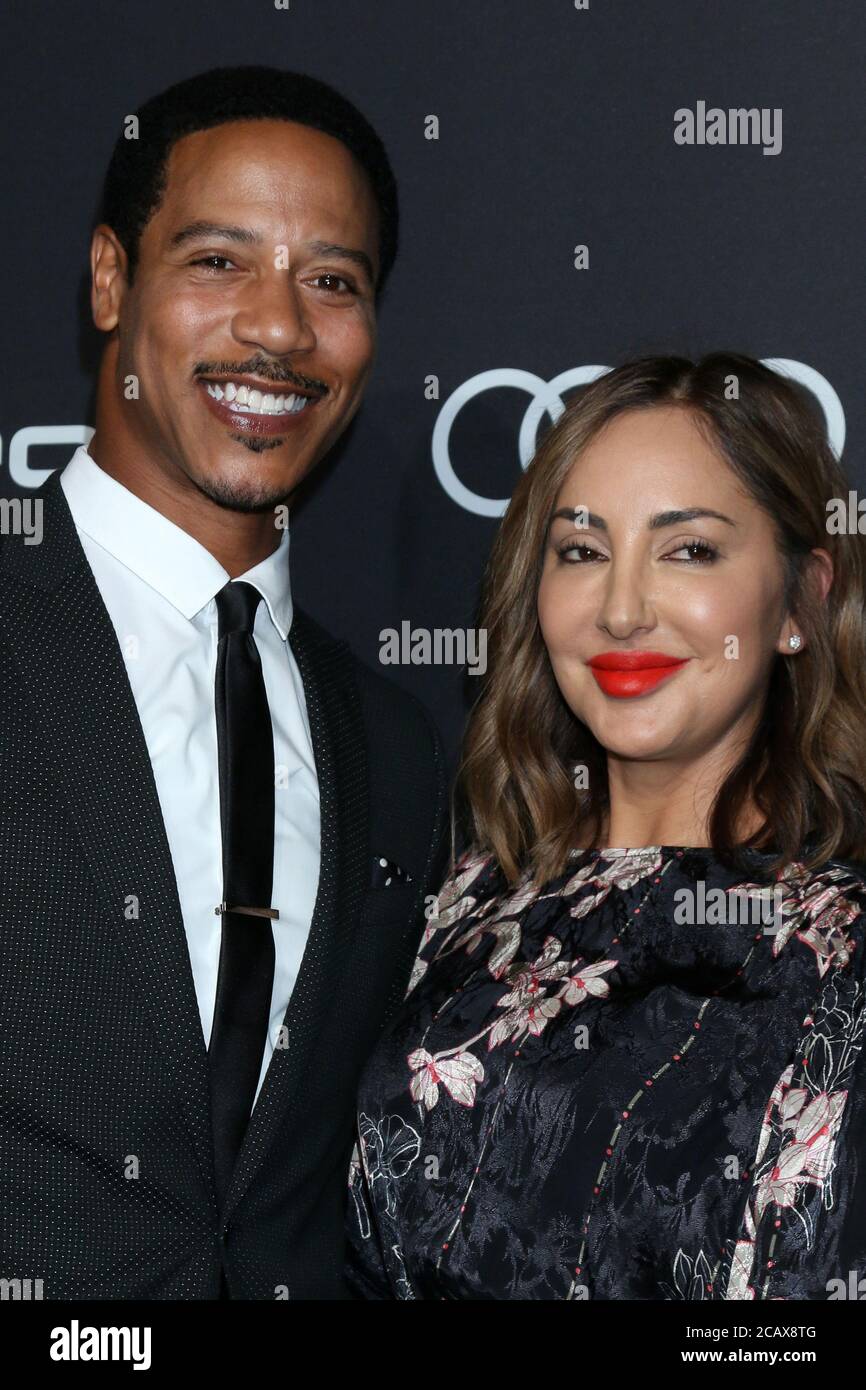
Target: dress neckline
column 635, row 849
column 648, row 849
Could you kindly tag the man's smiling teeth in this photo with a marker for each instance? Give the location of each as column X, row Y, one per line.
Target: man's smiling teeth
column 249, row 402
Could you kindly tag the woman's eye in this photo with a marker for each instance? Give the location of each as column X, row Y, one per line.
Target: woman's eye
column 568, row 552
column 573, row 553
column 705, row 553
column 206, row 261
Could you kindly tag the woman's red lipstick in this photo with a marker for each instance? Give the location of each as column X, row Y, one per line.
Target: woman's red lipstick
column 626, row 674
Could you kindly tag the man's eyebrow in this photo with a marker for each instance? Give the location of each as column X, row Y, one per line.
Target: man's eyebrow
column 344, row 253
column 655, row 523
column 196, row 231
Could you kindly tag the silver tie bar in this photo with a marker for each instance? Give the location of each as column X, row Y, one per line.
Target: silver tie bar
column 247, row 911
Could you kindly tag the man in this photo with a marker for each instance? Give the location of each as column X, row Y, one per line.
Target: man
column 218, row 828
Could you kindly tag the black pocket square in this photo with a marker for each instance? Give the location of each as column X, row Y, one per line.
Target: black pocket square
column 385, row 873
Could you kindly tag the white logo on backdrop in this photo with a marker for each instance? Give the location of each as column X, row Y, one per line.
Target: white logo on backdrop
column 31, row 437
column 546, row 399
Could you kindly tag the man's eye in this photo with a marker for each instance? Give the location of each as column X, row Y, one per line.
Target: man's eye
column 208, row 260
column 350, row 288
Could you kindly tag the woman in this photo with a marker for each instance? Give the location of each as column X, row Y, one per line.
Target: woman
column 630, row 1062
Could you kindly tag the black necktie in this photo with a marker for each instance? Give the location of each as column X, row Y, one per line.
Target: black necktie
column 246, row 965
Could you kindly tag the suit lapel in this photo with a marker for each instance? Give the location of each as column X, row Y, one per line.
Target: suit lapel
column 339, row 747
column 57, row 629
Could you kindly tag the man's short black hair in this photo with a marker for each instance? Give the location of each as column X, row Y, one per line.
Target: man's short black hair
column 136, row 178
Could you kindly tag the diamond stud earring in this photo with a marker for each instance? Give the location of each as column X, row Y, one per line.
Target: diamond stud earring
column 795, row 642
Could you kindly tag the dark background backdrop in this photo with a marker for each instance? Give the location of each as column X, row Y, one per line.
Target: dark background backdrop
column 556, row 128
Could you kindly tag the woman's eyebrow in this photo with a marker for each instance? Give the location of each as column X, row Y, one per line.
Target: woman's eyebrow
column 655, row 523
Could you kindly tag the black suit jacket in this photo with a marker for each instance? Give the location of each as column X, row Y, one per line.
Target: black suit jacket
column 106, row 1176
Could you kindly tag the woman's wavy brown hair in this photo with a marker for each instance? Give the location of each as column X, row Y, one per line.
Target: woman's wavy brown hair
column 805, row 767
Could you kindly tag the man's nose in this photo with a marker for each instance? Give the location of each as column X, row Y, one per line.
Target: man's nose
column 273, row 316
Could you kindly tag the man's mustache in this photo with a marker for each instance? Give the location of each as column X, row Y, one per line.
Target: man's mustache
column 265, row 371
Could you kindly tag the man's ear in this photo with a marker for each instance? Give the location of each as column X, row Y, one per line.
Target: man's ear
column 108, row 277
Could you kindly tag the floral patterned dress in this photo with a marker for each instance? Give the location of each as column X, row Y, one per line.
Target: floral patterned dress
column 646, row 1081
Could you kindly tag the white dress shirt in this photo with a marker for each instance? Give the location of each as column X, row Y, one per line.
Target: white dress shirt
column 159, row 586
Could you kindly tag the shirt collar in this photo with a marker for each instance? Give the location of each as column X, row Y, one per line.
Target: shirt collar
column 163, row 555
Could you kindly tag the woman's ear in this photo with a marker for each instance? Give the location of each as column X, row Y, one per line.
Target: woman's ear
column 817, row 578
column 820, row 573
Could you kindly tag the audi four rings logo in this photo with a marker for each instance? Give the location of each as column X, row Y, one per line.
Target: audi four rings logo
column 545, row 398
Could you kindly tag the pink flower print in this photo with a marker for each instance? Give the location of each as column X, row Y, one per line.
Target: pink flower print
column 816, row 1130
column 743, row 1260
column 527, row 981
column 467, row 870
column 775, row 1100
column 620, row 871
column 791, row 1105
column 585, row 874
column 809, row 1158
column 452, row 904
column 527, row 1004
column 818, row 915
column 507, row 942
column 588, row 981
column 459, row 1075
column 532, row 1018
column 830, row 944
column 419, row 970
column 523, row 893
column 783, row 1183
column 741, row 1268
column 356, row 1190
column 504, row 924
column 625, row 870
column 507, row 936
